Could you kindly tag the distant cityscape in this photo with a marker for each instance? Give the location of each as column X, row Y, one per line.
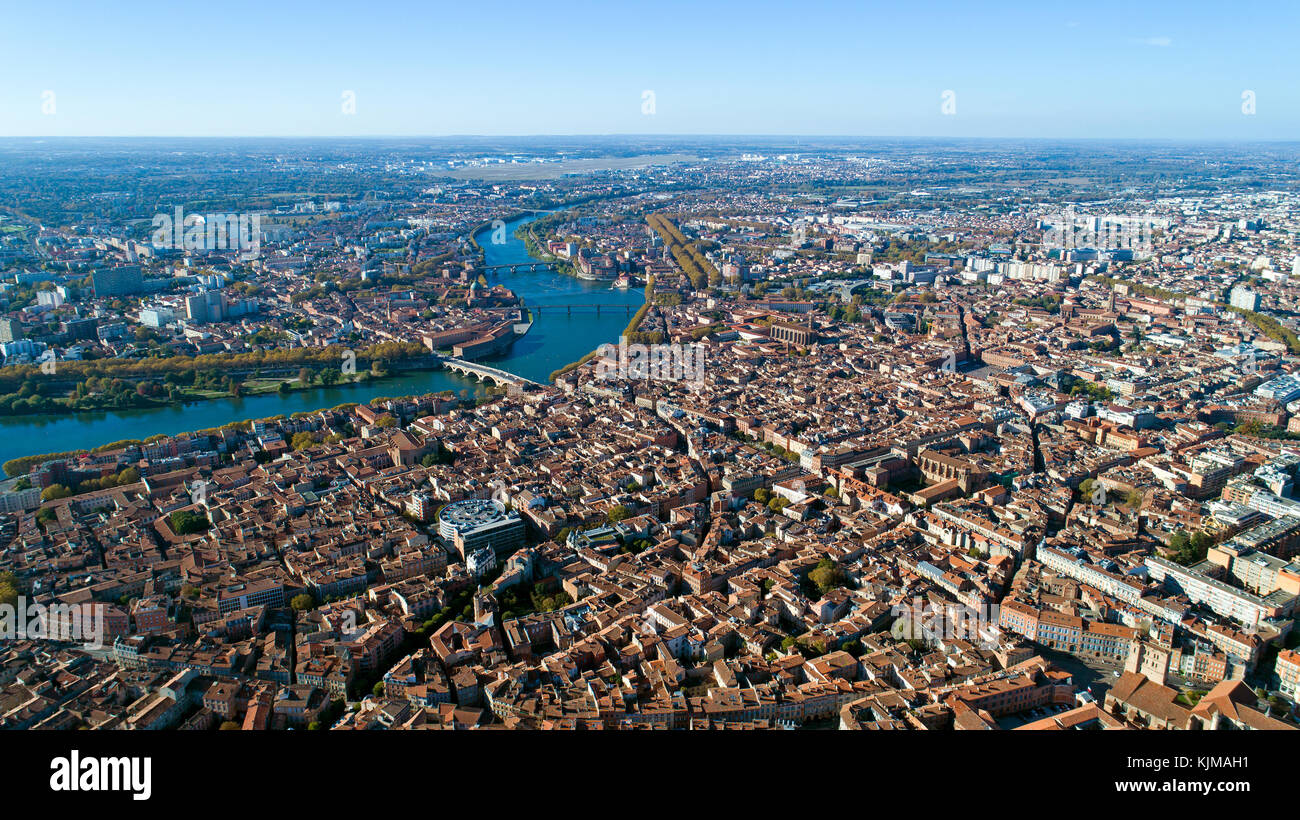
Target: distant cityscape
column 821, row 434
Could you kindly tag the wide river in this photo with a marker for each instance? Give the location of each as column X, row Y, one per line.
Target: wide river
column 555, row 340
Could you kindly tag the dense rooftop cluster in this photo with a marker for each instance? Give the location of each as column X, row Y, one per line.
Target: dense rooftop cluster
column 934, row 473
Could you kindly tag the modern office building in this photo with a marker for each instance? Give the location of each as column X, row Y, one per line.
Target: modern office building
column 117, row 281
column 244, row 595
column 474, row 524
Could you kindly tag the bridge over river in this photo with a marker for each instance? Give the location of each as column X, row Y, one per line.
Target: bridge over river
column 485, row 373
column 625, row 309
column 494, row 270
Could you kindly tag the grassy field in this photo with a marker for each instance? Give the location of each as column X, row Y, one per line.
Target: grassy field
column 255, row 387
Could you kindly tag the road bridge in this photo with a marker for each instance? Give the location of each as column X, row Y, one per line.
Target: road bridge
column 485, row 373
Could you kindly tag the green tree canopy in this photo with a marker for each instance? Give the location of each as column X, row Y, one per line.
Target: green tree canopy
column 55, row 491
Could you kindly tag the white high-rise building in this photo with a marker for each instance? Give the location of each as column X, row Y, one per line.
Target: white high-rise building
column 1244, row 298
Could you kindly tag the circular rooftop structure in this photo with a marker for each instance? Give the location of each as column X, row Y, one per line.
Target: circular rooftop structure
column 469, row 515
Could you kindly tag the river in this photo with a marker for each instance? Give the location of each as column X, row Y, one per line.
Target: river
column 555, row 340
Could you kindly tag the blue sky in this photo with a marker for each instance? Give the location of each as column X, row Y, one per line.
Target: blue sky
column 1017, row 69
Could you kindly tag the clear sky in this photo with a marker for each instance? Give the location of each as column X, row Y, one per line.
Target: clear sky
column 1137, row 68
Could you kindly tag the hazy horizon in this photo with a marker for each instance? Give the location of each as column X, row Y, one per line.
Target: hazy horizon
column 664, row 137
